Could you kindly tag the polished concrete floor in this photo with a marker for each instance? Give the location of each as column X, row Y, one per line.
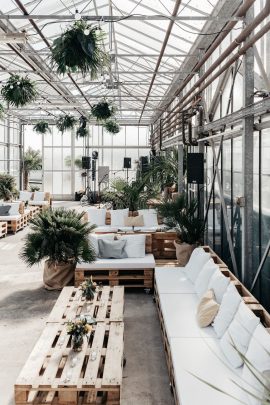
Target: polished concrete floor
column 24, row 306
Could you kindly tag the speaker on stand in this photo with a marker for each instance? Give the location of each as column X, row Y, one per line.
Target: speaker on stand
column 127, row 165
column 195, row 172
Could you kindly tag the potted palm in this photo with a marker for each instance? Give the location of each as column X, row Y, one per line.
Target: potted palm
column 182, row 215
column 32, row 160
column 61, row 238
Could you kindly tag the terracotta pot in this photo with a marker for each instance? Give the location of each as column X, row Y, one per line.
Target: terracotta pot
column 183, row 252
column 57, row 276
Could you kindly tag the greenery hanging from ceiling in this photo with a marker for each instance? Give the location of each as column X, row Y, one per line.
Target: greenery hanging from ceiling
column 19, row 91
column 103, row 110
column 41, row 127
column 65, row 122
column 111, row 126
column 82, row 131
column 2, row 112
column 79, row 49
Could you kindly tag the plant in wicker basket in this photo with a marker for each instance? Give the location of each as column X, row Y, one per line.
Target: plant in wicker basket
column 77, row 330
column 19, row 91
column 41, row 127
column 112, row 127
column 65, row 122
column 79, row 49
column 103, row 110
column 2, row 112
column 88, row 288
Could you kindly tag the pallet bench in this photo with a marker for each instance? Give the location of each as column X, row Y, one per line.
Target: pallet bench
column 3, row 229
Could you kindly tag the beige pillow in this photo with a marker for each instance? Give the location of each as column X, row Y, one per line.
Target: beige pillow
column 21, row 208
column 207, row 309
column 134, row 221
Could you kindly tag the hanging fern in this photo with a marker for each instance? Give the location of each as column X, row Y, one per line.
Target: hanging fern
column 103, row 110
column 41, row 127
column 111, row 126
column 2, row 112
column 65, row 122
column 79, row 49
column 82, row 132
column 19, row 91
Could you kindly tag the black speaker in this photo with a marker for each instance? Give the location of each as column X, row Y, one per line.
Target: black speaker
column 86, row 162
column 94, row 169
column 195, row 169
column 144, row 163
column 127, row 163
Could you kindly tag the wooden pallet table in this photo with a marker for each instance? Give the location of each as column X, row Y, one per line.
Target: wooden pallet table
column 3, row 229
column 107, row 306
column 54, row 374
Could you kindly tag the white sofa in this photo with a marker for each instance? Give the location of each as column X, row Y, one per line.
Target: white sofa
column 194, row 353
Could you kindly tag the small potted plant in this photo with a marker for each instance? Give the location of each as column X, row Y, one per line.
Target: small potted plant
column 88, row 288
column 77, row 330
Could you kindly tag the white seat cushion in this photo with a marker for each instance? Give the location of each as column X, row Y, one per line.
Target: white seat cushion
column 172, row 280
column 10, row 217
column 147, row 262
column 39, row 196
column 14, row 207
column 203, row 358
column 117, row 217
column 105, row 229
column 31, row 202
column 25, row 195
column 96, row 216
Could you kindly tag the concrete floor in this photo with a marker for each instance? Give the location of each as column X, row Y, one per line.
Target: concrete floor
column 24, row 306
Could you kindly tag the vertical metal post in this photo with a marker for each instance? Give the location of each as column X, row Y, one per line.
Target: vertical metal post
column 247, row 163
column 21, row 148
column 180, row 168
column 8, row 144
column 72, row 168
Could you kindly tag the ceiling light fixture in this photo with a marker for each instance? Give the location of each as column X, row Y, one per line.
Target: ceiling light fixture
column 77, row 15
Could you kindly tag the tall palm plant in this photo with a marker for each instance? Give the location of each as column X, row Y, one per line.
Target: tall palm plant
column 32, row 160
column 163, row 170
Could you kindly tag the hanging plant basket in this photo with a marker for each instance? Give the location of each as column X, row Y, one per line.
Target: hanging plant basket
column 103, row 110
column 81, row 132
column 19, row 91
column 79, row 49
column 65, row 122
column 2, row 112
column 41, row 127
column 112, row 127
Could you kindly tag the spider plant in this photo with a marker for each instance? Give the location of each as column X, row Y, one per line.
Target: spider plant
column 19, row 91
column 112, row 127
column 41, row 127
column 65, row 122
column 103, row 110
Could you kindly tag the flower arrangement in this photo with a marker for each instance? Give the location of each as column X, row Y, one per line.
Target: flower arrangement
column 103, row 110
column 77, row 330
column 41, row 127
column 112, row 127
column 88, row 288
column 19, row 91
column 65, row 122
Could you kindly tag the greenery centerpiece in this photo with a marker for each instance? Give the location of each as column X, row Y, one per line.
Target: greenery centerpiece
column 77, row 330
column 111, row 126
column 61, row 237
column 88, row 288
column 19, row 91
column 80, row 49
column 7, row 187
column 65, row 122
column 103, row 110
column 32, row 160
column 41, row 127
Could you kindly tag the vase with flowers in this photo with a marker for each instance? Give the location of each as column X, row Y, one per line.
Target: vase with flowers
column 88, row 288
column 77, row 330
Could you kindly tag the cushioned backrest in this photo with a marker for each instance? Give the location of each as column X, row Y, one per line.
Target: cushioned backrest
column 218, row 283
column 135, row 245
column 39, row 196
column 202, row 281
column 118, row 217
column 93, row 238
column 15, row 207
column 149, row 217
column 96, row 216
column 196, row 262
column 25, row 195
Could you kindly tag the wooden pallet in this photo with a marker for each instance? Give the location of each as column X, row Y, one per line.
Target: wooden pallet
column 15, row 225
column 54, row 374
column 163, row 245
column 107, row 306
column 3, row 229
column 167, row 263
column 34, row 211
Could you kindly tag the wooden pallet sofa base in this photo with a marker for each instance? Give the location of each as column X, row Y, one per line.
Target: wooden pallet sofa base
column 3, row 229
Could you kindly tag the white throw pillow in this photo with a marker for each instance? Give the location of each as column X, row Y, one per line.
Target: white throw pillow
column 14, row 209
column 135, row 245
column 93, row 237
column 218, row 283
column 39, row 196
column 196, row 262
column 238, row 335
column 25, row 195
column 202, row 281
column 258, row 355
column 149, row 217
column 228, row 307
column 118, row 217
column 97, row 216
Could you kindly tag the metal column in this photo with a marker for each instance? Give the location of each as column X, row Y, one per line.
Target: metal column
column 180, row 168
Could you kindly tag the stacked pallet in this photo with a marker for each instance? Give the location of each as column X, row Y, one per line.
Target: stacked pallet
column 3, row 229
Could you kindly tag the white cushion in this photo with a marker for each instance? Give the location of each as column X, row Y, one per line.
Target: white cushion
column 135, row 245
column 117, row 217
column 14, row 207
column 228, row 307
column 172, row 280
column 202, row 281
column 147, row 262
column 149, row 217
column 238, row 335
column 39, row 196
column 25, row 195
column 196, row 262
column 10, row 217
column 96, row 216
column 94, row 240
column 31, row 202
column 258, row 355
column 105, row 229
column 218, row 283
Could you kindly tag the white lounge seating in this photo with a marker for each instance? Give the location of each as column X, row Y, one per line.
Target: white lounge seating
column 128, row 263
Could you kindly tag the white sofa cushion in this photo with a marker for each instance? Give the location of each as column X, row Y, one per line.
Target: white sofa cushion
column 218, row 283
column 202, row 281
column 228, row 307
column 14, row 207
column 135, row 245
column 31, row 202
column 147, row 262
column 10, row 217
column 196, row 262
column 258, row 355
column 105, row 229
column 39, row 196
column 149, row 217
column 117, row 217
column 25, row 195
column 93, row 238
column 172, row 280
column 238, row 335
column 96, row 216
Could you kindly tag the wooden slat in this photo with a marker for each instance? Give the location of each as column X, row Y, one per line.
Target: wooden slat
column 92, row 367
column 112, row 374
column 117, row 307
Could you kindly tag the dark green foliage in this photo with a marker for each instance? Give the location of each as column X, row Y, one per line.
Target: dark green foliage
column 41, row 127
column 74, row 51
column 19, row 91
column 163, row 170
column 88, row 288
column 103, row 110
column 82, row 132
column 182, row 215
column 65, row 122
column 7, row 186
column 60, row 236
column 112, row 127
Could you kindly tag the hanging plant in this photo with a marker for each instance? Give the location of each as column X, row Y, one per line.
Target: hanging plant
column 111, row 126
column 103, row 110
column 82, row 132
column 19, row 91
column 65, row 122
column 41, row 127
column 2, row 112
column 79, row 49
